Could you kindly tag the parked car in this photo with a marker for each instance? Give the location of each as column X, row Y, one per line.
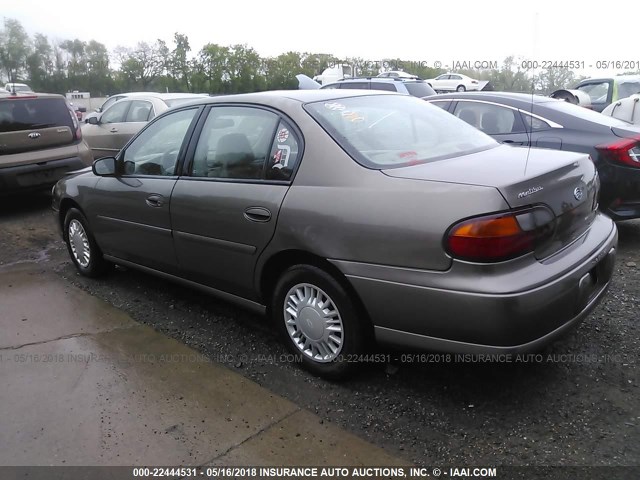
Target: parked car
column 410, row 86
column 17, row 87
column 537, row 121
column 107, row 133
column 78, row 110
column 348, row 217
column 40, row 141
column 111, row 100
column 453, row 82
column 605, row 91
column 627, row 109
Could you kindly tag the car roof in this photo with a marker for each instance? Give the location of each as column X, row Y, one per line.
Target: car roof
column 166, row 96
column 616, row 78
column 413, row 79
column 299, row 96
column 495, row 96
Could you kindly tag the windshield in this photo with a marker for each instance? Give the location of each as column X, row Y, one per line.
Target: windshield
column 381, row 131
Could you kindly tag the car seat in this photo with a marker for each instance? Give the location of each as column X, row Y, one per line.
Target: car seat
column 236, row 158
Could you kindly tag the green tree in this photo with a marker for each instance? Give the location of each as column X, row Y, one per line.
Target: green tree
column 40, row 63
column 15, row 48
column 179, row 66
column 142, row 65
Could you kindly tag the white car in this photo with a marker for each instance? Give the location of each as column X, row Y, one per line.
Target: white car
column 397, row 74
column 453, row 82
column 17, row 87
column 627, row 109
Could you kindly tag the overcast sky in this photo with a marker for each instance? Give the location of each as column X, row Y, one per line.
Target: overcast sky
column 457, row 30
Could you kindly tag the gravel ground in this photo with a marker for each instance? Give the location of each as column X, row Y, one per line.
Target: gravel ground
column 575, row 404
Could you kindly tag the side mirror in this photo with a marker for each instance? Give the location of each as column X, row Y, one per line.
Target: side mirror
column 105, row 167
column 93, row 120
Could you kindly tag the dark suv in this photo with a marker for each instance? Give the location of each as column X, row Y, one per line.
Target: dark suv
column 411, row 86
column 40, row 141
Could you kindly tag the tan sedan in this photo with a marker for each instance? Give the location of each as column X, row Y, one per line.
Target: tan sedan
column 107, row 133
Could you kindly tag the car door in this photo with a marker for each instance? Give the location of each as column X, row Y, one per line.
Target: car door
column 107, row 136
column 138, row 115
column 131, row 211
column 503, row 123
column 224, row 210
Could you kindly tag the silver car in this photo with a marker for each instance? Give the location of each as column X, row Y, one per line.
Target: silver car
column 109, row 131
column 349, row 217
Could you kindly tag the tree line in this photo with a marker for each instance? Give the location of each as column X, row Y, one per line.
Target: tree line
column 68, row 65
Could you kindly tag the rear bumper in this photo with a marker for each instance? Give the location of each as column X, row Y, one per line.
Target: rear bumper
column 426, row 313
column 37, row 176
column 620, row 192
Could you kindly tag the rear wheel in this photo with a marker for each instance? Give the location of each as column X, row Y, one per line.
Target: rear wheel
column 461, row 88
column 83, row 249
column 318, row 321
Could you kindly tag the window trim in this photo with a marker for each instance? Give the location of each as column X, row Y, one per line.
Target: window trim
column 185, row 173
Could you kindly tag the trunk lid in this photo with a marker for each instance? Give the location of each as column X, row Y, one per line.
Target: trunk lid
column 36, row 139
column 628, row 131
column 564, row 183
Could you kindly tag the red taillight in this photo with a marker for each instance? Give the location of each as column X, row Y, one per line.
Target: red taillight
column 625, row 151
column 496, row 238
column 76, row 124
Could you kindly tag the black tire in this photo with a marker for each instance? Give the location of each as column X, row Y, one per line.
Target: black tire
column 353, row 334
column 96, row 264
column 461, row 88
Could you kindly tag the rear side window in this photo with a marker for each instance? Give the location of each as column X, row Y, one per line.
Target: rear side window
column 383, row 86
column 139, row 111
column 234, row 143
column 284, row 154
column 34, row 113
column 355, row 85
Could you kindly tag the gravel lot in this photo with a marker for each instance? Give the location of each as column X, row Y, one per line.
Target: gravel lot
column 576, row 404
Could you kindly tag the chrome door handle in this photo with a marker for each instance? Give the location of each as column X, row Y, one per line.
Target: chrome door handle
column 155, row 200
column 113, row 130
column 257, row 214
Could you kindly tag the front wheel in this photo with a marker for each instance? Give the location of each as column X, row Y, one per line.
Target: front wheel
column 318, row 321
column 461, row 88
column 83, row 249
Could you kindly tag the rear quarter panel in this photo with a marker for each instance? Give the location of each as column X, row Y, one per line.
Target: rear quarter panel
column 338, row 209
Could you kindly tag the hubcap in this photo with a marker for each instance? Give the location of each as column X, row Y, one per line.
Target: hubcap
column 313, row 322
column 79, row 243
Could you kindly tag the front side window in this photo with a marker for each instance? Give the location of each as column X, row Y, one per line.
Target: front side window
column 155, row 151
column 116, row 113
column 235, row 143
column 381, row 131
column 390, row 87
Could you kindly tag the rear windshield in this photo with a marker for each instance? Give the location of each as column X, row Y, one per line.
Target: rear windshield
column 18, row 114
column 180, row 101
column 584, row 113
column 419, row 89
column 381, row 131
